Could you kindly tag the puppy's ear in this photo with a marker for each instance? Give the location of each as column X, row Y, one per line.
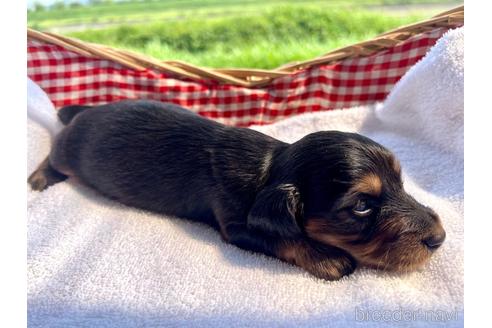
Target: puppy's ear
column 276, row 210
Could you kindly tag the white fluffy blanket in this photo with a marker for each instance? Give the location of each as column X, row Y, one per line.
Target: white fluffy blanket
column 95, row 263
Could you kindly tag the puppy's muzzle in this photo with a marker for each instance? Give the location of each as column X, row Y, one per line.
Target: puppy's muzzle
column 437, row 235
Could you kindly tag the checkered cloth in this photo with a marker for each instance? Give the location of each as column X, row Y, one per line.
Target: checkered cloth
column 69, row 78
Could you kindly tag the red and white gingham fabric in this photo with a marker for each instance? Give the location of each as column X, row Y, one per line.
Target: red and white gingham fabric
column 69, row 78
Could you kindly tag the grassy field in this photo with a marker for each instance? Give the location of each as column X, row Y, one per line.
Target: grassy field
column 218, row 33
column 154, row 10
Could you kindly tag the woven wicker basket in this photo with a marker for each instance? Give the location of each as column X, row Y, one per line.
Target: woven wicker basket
column 235, row 81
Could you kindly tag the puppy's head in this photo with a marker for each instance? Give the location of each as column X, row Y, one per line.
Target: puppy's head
column 345, row 190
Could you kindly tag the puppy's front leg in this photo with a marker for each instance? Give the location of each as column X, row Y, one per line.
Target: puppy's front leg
column 322, row 261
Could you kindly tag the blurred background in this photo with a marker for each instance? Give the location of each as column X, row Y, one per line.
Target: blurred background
column 229, row 33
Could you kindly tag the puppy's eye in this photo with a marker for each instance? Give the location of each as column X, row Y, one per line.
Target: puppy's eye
column 361, row 208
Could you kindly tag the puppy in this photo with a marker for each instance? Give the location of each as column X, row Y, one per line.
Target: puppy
column 326, row 203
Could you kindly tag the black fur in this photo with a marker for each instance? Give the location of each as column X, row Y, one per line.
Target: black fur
column 66, row 114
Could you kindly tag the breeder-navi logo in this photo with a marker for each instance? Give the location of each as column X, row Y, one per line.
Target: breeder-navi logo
column 385, row 315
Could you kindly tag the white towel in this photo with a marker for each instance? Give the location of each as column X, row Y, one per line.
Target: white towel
column 95, row 263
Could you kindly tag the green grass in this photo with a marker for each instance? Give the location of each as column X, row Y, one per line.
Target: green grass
column 266, row 40
column 262, row 54
column 148, row 11
column 231, row 33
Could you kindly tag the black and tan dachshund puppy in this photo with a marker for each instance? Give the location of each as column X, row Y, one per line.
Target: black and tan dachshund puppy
column 328, row 202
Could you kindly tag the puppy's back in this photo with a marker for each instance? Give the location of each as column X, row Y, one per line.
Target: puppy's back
column 159, row 157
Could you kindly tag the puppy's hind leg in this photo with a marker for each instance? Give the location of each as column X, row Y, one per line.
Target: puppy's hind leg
column 44, row 176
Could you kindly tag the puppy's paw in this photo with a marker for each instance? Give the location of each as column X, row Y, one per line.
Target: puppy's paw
column 332, row 267
column 45, row 176
column 323, row 261
column 38, row 180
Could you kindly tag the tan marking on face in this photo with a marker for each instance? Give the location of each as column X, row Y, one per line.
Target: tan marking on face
column 370, row 184
column 408, row 254
column 315, row 228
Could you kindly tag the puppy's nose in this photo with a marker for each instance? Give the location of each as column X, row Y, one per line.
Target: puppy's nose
column 435, row 240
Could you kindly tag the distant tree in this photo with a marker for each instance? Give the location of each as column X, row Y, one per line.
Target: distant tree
column 58, row 5
column 38, row 6
column 75, row 4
